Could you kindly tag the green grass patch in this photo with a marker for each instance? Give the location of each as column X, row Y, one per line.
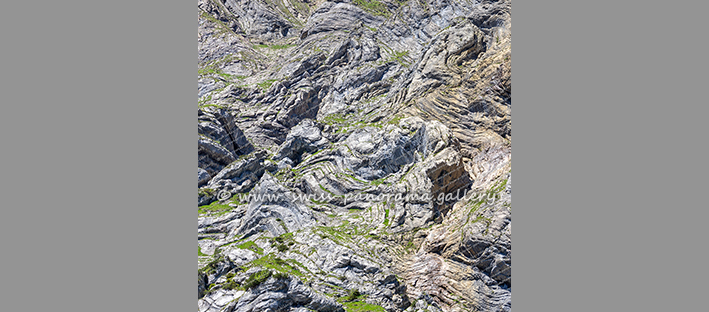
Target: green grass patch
column 257, row 278
column 266, row 84
column 373, row 7
column 250, row 245
column 352, row 295
column 352, row 177
column 272, row 262
column 214, row 208
column 211, row 267
column 208, row 98
column 400, row 57
column 205, row 192
column 378, row 181
column 231, row 284
column 326, row 190
column 359, row 306
column 395, row 120
column 318, row 202
column 221, row 26
column 213, row 70
column 333, row 119
column 204, row 99
column 274, row 46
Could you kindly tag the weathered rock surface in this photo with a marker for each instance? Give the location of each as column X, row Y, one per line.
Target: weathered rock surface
column 354, row 155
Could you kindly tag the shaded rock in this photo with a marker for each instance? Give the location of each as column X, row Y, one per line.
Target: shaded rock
column 303, row 138
column 271, row 201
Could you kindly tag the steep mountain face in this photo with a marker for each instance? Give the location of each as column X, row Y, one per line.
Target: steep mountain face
column 354, row 155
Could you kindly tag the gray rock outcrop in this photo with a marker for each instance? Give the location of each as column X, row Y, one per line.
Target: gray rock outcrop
column 354, row 155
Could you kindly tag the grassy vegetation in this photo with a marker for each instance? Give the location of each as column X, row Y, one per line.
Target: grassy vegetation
column 266, row 84
column 348, row 235
column 222, row 28
column 395, row 120
column 400, row 57
column 214, row 208
column 377, row 182
column 251, row 246
column 231, row 283
column 211, row 266
column 409, row 246
column 213, row 70
column 328, row 191
column 205, row 99
column 208, row 98
column 359, row 306
column 352, row 177
column 334, row 119
column 274, row 46
column 205, row 192
column 386, row 217
column 257, row 278
column 283, row 241
column 374, row 7
column 352, row 295
column 272, row 262
column 346, row 122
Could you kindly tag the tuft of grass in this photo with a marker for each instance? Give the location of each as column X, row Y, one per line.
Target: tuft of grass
column 281, row 275
column 251, row 246
column 400, row 57
column 214, row 208
column 333, row 119
column 211, row 267
column 377, row 181
column 395, row 120
column 359, row 306
column 257, row 278
column 266, row 84
column 213, row 70
column 231, row 284
column 205, row 192
column 281, row 46
column 373, row 7
column 274, row 263
column 274, row 46
column 352, row 295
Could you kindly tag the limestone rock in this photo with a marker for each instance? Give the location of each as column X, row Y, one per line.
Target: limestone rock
column 354, row 153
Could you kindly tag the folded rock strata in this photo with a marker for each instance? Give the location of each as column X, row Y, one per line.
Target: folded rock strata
column 314, row 115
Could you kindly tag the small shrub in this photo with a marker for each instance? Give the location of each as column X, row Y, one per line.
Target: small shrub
column 282, row 248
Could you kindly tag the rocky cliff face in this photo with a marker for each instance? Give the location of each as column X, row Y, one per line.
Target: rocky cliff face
column 354, row 155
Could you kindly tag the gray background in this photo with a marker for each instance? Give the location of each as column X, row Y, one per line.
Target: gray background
column 99, row 155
